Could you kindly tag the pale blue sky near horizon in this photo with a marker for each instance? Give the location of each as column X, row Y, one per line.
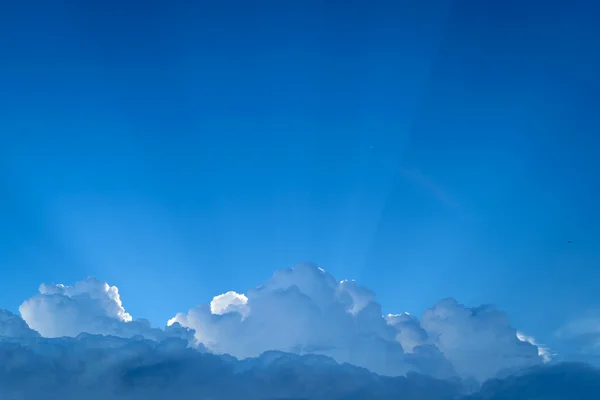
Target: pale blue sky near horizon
column 179, row 151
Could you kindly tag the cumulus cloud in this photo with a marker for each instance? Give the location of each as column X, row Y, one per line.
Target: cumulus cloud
column 89, row 306
column 305, row 310
column 229, row 302
column 360, row 296
column 409, row 334
column 300, row 334
column 479, row 342
column 100, row 297
column 301, row 310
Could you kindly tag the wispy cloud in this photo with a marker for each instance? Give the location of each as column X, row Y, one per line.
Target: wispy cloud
column 424, row 181
column 543, row 351
column 583, row 331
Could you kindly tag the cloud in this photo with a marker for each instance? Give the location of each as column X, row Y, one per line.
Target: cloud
column 229, row 302
column 305, row 310
column 410, row 334
column 90, row 306
column 361, row 296
column 301, row 334
column 426, row 183
column 543, row 351
column 583, row 333
column 99, row 367
column 12, row 325
column 557, row 382
column 479, row 342
column 301, row 310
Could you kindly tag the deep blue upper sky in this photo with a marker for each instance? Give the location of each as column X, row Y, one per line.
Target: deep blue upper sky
column 427, row 149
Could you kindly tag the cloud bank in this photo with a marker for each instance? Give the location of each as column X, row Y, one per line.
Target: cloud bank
column 97, row 367
column 302, row 310
column 302, row 334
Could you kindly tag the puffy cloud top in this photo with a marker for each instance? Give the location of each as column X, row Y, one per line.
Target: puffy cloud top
column 229, row 302
column 305, row 310
column 99, row 296
column 301, row 310
column 90, row 306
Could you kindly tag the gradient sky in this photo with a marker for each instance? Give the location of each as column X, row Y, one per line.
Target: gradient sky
column 426, row 149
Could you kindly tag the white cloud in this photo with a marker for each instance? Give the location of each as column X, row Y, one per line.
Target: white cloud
column 305, row 310
column 302, row 310
column 361, row 296
column 100, row 295
column 229, row 302
column 479, row 342
column 543, row 351
column 410, row 334
column 90, row 306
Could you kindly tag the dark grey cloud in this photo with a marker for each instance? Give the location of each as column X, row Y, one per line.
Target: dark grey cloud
column 100, row 367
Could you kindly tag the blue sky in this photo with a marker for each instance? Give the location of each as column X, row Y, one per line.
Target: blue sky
column 179, row 151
